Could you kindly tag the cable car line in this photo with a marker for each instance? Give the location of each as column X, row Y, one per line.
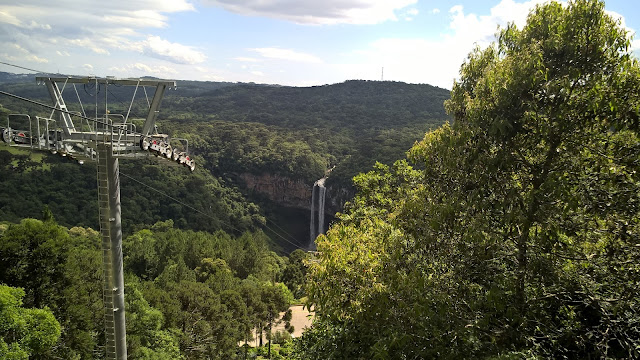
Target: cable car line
column 26, row 68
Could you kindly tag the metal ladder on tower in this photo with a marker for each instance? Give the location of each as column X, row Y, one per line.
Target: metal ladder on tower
column 104, row 142
column 107, row 268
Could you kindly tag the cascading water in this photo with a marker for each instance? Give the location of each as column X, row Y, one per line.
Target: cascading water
column 317, row 211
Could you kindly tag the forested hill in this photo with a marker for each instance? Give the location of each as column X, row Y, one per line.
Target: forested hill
column 293, row 133
column 357, row 105
column 298, row 132
column 350, row 125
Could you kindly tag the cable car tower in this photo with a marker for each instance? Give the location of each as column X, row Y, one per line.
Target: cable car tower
column 105, row 140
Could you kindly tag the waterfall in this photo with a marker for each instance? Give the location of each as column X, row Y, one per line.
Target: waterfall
column 318, row 194
column 313, row 217
column 321, row 191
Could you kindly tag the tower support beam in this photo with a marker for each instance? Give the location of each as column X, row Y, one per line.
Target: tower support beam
column 111, row 231
column 58, row 102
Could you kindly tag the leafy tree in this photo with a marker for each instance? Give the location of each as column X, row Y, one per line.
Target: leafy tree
column 295, row 272
column 519, row 236
column 24, row 332
column 33, row 255
column 82, row 315
column 140, row 255
column 216, row 274
column 207, row 328
column 253, row 257
column 145, row 337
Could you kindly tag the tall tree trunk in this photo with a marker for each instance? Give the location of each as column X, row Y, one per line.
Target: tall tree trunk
column 270, row 334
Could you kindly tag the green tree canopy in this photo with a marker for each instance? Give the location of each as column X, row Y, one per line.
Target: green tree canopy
column 520, row 236
column 24, row 332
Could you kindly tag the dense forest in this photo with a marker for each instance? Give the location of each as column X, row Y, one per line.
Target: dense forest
column 189, row 295
column 296, row 132
column 234, row 129
column 512, row 232
column 148, row 187
column 349, row 125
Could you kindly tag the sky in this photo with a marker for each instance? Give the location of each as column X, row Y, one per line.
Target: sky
column 286, row 42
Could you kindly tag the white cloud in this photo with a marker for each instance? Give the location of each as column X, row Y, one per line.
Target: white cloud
column 246, row 59
column 11, row 19
column 140, row 69
column 480, row 29
column 257, row 73
column 410, row 14
column 43, row 27
column 87, row 67
column 180, row 54
column 18, row 48
column 21, row 54
column 153, row 69
column 87, row 43
column 7, row 18
column 287, row 54
column 36, row 59
column 410, row 60
column 435, row 11
column 35, row 25
column 413, row 12
column 143, row 18
column 315, row 12
column 436, row 60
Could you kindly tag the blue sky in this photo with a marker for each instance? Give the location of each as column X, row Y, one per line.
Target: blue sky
column 288, row 42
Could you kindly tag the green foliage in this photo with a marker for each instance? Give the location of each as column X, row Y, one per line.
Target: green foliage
column 255, row 148
column 24, row 332
column 519, row 236
column 183, row 300
column 33, row 255
column 145, row 337
column 82, row 313
column 66, row 187
column 294, row 274
column 302, row 132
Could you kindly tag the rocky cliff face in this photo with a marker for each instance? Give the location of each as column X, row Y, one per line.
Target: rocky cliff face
column 336, row 198
column 294, row 193
column 280, row 189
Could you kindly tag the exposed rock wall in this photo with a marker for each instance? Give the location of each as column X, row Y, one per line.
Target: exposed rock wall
column 294, row 193
column 280, row 189
column 336, row 198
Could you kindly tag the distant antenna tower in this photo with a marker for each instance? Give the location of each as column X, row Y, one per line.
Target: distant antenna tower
column 382, row 76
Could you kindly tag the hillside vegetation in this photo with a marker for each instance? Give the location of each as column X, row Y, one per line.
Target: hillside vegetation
column 297, row 133
column 511, row 233
column 514, row 232
column 189, row 295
